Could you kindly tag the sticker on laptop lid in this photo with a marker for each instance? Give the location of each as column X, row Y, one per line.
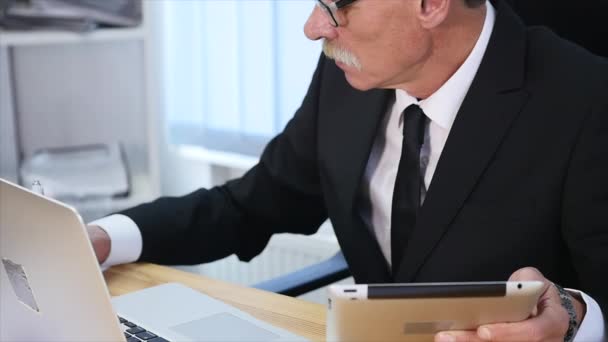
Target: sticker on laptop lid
column 21, row 285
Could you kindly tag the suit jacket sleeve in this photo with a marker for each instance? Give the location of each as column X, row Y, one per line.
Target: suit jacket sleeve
column 280, row 194
column 585, row 201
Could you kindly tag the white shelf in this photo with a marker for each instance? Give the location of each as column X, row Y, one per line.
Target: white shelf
column 219, row 158
column 23, row 38
column 141, row 191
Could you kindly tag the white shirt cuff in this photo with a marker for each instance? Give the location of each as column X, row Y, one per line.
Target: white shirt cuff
column 125, row 239
column 592, row 327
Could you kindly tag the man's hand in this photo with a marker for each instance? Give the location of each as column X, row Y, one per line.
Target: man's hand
column 100, row 241
column 549, row 322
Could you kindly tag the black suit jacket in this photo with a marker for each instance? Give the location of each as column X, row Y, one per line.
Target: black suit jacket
column 583, row 23
column 522, row 180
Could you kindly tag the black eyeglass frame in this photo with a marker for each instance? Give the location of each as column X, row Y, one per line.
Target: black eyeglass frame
column 332, row 7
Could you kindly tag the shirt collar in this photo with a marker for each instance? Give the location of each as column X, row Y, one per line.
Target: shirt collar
column 443, row 105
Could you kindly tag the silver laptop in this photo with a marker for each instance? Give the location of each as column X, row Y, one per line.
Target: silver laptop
column 52, row 289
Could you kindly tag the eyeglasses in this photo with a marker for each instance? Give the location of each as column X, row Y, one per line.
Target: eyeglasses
column 331, row 7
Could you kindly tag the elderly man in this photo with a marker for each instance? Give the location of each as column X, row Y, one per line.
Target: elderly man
column 445, row 142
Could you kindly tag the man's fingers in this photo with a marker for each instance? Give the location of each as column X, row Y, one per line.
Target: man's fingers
column 457, row 336
column 532, row 274
column 549, row 323
column 527, row 273
column 544, row 327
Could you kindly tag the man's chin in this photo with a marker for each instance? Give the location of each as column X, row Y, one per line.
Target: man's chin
column 353, row 77
column 357, row 82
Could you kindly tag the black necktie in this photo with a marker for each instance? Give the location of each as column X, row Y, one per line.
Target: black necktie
column 406, row 194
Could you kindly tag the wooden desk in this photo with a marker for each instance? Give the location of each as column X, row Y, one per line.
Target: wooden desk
column 300, row 317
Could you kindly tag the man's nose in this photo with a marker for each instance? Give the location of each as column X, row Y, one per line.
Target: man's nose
column 319, row 26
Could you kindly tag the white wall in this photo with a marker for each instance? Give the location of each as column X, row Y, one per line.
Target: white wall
column 8, row 146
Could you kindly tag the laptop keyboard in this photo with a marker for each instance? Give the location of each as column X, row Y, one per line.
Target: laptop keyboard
column 134, row 333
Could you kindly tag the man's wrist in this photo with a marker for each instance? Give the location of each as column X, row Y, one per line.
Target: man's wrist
column 575, row 311
column 579, row 306
column 100, row 241
column 125, row 240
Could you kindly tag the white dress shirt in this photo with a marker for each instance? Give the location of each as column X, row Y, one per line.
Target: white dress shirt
column 381, row 171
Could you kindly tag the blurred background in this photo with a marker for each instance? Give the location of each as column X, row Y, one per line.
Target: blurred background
column 114, row 103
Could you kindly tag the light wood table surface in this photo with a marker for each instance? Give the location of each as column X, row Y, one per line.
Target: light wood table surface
column 300, row 317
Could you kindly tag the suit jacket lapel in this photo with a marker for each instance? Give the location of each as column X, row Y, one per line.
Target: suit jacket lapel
column 494, row 99
column 356, row 123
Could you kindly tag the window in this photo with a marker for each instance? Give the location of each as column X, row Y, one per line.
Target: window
column 235, row 71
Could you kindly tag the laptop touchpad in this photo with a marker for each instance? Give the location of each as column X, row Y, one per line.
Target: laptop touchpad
column 223, row 327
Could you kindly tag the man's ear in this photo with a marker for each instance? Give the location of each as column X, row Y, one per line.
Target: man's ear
column 433, row 12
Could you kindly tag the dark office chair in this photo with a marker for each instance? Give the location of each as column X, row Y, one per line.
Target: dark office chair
column 309, row 278
column 581, row 22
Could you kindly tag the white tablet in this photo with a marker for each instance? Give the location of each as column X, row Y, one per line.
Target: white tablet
column 417, row 311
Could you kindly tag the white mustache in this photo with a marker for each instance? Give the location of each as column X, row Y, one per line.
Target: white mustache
column 340, row 55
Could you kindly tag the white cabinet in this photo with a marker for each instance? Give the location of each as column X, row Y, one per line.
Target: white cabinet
column 62, row 89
